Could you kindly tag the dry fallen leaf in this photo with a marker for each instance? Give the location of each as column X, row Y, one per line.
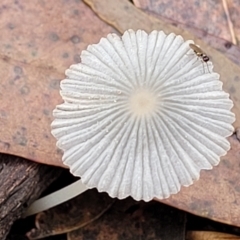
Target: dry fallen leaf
column 208, row 16
column 127, row 220
column 71, row 215
column 207, row 235
column 33, row 58
column 217, row 194
column 224, row 45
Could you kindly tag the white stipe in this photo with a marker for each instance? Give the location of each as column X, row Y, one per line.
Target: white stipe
column 56, row 198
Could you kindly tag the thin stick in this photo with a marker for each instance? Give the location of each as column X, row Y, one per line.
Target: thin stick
column 230, row 24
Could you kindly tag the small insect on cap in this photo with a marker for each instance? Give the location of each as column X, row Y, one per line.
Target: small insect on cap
column 139, row 118
column 205, row 58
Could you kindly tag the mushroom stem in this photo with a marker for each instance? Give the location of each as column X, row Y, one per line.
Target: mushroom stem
column 56, row 198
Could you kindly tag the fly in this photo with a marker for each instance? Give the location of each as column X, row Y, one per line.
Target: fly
column 199, row 52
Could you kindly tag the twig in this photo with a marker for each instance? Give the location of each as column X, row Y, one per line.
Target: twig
column 230, row 24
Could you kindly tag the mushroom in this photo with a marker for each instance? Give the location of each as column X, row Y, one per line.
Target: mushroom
column 140, row 118
column 142, row 115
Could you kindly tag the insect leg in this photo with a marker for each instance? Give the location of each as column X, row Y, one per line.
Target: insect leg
column 207, row 67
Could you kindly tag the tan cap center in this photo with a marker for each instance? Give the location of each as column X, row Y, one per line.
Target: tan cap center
column 142, row 102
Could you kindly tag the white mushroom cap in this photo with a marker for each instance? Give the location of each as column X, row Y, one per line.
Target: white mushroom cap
column 142, row 115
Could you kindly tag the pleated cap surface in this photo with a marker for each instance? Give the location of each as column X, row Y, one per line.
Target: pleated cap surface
column 142, row 115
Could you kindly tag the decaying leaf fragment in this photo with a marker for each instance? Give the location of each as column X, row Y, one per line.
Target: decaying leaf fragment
column 128, row 220
column 71, row 215
column 208, row 235
column 33, row 57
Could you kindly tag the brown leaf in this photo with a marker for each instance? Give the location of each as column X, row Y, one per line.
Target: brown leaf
column 71, row 215
column 209, row 16
column 38, row 42
column 217, row 194
column 128, row 219
column 205, row 235
column 225, row 46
